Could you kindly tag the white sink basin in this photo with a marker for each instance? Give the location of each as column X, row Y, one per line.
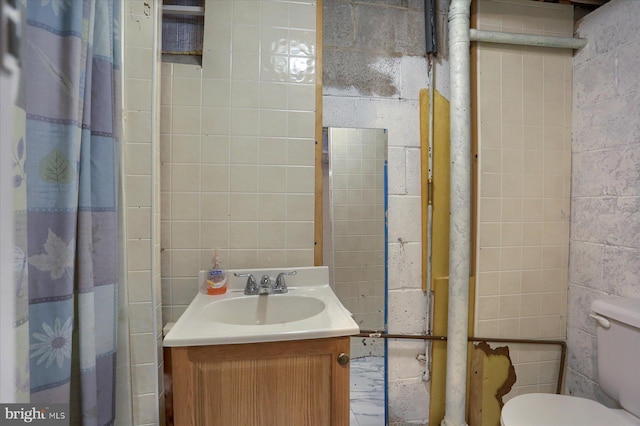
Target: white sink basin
column 263, row 310
column 310, row 310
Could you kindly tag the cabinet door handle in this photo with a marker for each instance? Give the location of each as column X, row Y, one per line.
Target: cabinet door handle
column 343, row 359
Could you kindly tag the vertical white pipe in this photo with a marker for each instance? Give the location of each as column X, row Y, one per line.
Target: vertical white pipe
column 460, row 216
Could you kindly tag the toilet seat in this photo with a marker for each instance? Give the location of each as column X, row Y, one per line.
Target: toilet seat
column 542, row 409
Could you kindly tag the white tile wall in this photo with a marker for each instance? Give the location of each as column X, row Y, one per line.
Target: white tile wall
column 238, row 146
column 141, row 158
column 525, row 165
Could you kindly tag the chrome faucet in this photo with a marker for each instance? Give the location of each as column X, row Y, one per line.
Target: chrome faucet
column 267, row 284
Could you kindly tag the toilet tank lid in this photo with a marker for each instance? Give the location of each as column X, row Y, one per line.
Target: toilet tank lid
column 626, row 311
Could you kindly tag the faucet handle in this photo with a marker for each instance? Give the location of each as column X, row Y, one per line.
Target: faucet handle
column 281, row 285
column 252, row 286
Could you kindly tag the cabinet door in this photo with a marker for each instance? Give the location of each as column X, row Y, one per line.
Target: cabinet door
column 263, row 384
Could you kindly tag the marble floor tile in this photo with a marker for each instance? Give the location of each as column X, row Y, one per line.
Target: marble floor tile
column 367, row 391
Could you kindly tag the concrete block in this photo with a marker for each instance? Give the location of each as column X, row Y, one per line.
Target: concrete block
column 585, row 136
column 592, row 219
column 414, row 42
column 381, row 29
column 403, row 359
column 622, row 171
column 592, row 81
column 608, row 124
column 623, row 222
column 405, row 222
column 627, row 60
column 579, row 304
column 338, row 111
column 370, row 74
column 621, row 271
column 408, row 402
column 414, row 172
column 391, row 30
column 581, row 355
column 407, row 311
column 397, row 176
column 586, row 264
column 337, row 24
column 405, row 265
column 587, row 165
column 400, row 117
column 414, row 76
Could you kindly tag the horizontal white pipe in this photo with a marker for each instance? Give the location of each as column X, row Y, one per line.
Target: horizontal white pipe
column 527, row 39
column 182, row 10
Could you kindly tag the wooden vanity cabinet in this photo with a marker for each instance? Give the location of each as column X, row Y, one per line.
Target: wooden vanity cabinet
column 297, row 383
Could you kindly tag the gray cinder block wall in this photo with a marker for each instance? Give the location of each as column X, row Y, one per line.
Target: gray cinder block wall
column 362, row 39
column 605, row 202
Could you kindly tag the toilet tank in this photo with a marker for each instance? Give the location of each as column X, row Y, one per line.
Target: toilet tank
column 618, row 344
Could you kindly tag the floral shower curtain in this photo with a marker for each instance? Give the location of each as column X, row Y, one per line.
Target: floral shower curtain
column 66, row 168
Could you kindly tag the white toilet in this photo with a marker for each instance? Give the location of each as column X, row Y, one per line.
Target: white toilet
column 618, row 342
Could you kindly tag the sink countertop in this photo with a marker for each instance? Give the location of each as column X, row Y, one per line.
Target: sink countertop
column 193, row 328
